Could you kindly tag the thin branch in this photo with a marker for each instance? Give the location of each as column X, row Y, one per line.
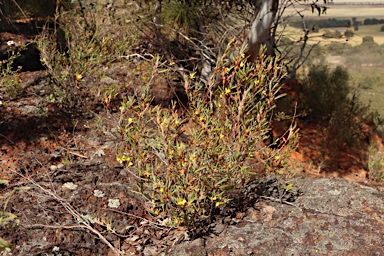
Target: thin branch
column 280, row 201
column 138, row 56
column 84, row 223
column 7, row 139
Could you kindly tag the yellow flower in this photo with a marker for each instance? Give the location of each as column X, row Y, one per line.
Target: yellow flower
column 124, row 159
column 120, row 159
column 130, row 120
column 221, row 136
column 219, row 203
column 79, row 77
column 227, row 91
column 181, row 201
column 192, row 75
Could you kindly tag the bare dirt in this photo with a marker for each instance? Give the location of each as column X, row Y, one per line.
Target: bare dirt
column 81, row 200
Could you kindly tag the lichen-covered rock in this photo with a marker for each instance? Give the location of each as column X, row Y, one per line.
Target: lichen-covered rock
column 332, row 217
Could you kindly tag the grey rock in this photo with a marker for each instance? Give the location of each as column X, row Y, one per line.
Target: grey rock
column 332, row 217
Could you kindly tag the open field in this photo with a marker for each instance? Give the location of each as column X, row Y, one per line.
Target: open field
column 346, row 11
column 370, row 84
column 358, row 1
column 358, row 11
column 369, row 30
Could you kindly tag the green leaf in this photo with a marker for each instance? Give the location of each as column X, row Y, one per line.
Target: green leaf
column 289, row 187
column 4, row 245
column 8, row 216
column 4, row 182
column 23, row 188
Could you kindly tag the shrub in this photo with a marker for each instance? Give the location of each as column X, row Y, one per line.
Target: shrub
column 332, row 104
column 376, row 164
column 9, row 78
column 330, row 34
column 5, row 216
column 349, row 33
column 368, row 40
column 186, row 165
column 325, row 90
column 88, row 38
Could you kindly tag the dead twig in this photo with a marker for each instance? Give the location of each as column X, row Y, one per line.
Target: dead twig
column 280, row 201
column 5, row 137
column 83, row 222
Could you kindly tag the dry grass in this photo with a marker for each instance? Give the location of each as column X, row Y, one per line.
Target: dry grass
column 370, row 30
column 358, row 11
column 346, row 11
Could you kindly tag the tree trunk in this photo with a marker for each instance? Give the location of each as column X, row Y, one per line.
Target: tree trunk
column 260, row 32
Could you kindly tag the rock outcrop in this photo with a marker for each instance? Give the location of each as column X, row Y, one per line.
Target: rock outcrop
column 332, row 217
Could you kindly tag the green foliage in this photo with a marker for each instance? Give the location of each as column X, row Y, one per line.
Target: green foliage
column 337, row 48
column 368, row 40
column 373, row 21
column 376, row 164
column 323, row 23
column 183, row 14
column 330, row 34
column 9, row 78
column 331, row 101
column 325, row 90
column 89, row 38
column 5, row 216
column 349, row 33
column 186, row 165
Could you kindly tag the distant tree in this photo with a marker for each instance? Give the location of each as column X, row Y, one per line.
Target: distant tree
column 373, row 21
column 330, row 34
column 368, row 40
column 355, row 23
column 327, row 34
column 349, row 33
